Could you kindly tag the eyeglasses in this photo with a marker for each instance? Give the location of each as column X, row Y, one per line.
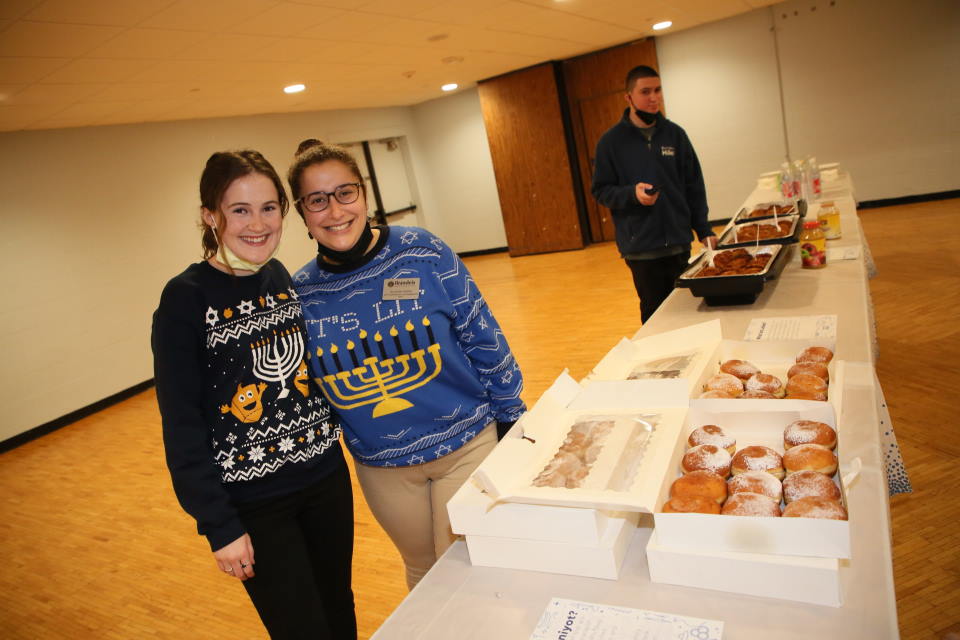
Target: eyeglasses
column 319, row 200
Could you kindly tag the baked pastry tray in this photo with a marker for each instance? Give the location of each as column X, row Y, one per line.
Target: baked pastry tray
column 786, row 207
column 733, row 289
column 729, row 238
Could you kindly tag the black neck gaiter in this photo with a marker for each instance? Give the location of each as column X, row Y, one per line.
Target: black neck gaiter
column 354, row 253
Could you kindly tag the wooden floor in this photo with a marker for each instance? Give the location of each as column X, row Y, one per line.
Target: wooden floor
column 93, row 544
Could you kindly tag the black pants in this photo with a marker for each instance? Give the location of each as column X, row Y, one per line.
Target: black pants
column 654, row 280
column 303, row 555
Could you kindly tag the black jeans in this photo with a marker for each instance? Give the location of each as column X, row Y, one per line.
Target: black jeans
column 654, row 280
column 303, row 556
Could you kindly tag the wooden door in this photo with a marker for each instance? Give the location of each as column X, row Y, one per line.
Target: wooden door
column 598, row 114
column 522, row 116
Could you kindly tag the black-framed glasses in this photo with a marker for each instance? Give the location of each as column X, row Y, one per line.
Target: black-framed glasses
column 319, row 200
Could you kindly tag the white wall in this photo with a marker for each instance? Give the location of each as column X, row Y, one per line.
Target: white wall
column 456, row 157
column 96, row 220
column 872, row 84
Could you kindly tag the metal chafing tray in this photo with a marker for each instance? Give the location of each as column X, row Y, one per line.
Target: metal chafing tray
column 736, row 289
column 729, row 238
column 788, row 207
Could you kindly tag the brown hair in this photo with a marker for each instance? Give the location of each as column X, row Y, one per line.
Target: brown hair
column 221, row 170
column 312, row 151
column 642, row 71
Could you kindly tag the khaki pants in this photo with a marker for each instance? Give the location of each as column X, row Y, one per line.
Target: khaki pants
column 410, row 503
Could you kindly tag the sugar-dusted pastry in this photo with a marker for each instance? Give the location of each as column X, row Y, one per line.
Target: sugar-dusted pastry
column 757, row 458
column 809, row 432
column 815, row 354
column 810, row 456
column 756, row 482
column 815, row 507
column 691, row 504
column 716, row 395
column 712, row 434
column 806, row 384
column 757, row 395
column 813, row 368
column 700, row 483
column 725, row 382
column 765, row 382
column 739, row 368
column 804, row 484
column 751, row 504
column 707, row 457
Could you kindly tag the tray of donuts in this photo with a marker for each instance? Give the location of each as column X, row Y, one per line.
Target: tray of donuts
column 785, row 230
column 769, row 371
column 757, row 482
column 768, row 210
column 733, row 272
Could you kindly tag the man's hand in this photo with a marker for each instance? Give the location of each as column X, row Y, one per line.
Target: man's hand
column 645, row 198
column 236, row 559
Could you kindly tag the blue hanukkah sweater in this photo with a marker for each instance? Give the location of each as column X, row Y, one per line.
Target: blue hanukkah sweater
column 411, row 379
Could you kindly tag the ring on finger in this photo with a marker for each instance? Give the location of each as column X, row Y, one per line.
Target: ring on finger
column 229, row 569
column 243, row 566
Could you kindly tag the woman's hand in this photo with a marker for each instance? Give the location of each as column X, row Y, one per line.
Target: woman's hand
column 236, row 559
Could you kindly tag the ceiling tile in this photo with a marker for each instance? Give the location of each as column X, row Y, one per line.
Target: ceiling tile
column 104, row 12
column 28, row 70
column 98, row 70
column 54, row 93
column 45, row 40
column 353, row 26
column 213, row 16
column 7, row 91
column 288, row 19
column 522, row 18
column 226, row 47
column 152, row 44
column 316, row 51
column 465, row 12
column 13, row 9
column 408, row 8
column 142, row 91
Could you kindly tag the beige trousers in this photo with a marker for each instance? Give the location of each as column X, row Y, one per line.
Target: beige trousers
column 410, row 503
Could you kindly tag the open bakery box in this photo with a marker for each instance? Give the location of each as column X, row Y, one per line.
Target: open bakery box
column 530, row 506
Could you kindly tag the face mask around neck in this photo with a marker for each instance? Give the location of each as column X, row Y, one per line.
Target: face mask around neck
column 235, row 262
column 352, row 254
column 647, row 117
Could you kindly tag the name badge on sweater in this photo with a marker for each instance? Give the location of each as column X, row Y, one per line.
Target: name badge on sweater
column 667, row 151
column 401, row 289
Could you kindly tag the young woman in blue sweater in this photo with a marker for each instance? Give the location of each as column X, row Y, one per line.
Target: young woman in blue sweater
column 404, row 347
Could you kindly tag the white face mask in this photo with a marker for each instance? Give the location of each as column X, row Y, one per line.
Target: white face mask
column 234, row 261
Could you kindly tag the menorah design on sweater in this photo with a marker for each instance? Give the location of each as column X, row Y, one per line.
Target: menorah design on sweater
column 377, row 378
column 274, row 359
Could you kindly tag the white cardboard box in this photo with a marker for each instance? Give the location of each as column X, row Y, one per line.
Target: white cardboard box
column 787, row 536
column 803, row 579
column 602, row 560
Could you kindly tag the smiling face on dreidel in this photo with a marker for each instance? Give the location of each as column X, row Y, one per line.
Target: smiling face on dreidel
column 246, row 405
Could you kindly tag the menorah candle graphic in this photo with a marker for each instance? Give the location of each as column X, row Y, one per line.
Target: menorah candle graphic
column 274, row 359
column 376, row 377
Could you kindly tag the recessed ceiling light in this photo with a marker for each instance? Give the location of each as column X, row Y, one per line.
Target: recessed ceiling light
column 294, row 88
column 450, row 87
column 666, row 24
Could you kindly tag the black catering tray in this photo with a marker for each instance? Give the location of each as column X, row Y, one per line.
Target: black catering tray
column 740, row 289
column 797, row 208
column 728, row 239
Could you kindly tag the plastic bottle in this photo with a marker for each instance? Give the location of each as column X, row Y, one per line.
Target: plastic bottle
column 814, row 169
column 813, row 246
column 829, row 218
column 800, row 180
column 786, row 180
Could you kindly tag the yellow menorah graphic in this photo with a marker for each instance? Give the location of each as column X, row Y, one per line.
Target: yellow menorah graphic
column 380, row 380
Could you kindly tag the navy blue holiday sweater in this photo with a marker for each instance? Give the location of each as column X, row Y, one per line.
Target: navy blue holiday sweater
column 411, row 379
column 624, row 157
column 242, row 419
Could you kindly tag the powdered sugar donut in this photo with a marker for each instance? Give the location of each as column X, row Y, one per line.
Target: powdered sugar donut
column 813, row 368
column 806, row 384
column 716, row 395
column 751, row 504
column 757, row 458
column 815, row 507
column 815, row 354
column 707, row 457
column 726, row 383
column 756, row 394
column 804, row 484
column 765, row 382
column 691, row 504
column 809, row 432
column 739, row 368
column 712, row 434
column 756, row 482
column 700, row 483
column 810, row 456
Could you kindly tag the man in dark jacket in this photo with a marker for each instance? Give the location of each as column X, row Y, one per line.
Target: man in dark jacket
column 648, row 174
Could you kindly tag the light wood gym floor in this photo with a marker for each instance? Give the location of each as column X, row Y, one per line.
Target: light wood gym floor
column 94, row 545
